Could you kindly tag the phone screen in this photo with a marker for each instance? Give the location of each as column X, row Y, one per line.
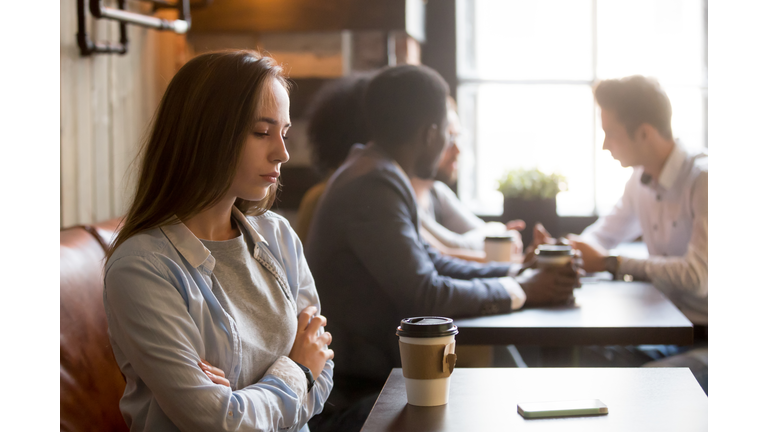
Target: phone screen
column 562, row 408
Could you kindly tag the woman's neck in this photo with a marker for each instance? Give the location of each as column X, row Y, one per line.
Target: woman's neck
column 214, row 223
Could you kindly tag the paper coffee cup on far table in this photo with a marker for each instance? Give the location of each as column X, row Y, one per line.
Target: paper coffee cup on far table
column 498, row 248
column 428, row 355
column 553, row 255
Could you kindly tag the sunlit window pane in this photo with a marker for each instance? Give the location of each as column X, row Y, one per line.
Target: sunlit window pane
column 544, row 126
column 513, row 60
column 526, row 40
column 610, row 176
column 687, row 115
column 661, row 38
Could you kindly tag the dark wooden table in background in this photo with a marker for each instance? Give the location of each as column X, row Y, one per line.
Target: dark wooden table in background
column 605, row 313
column 638, row 399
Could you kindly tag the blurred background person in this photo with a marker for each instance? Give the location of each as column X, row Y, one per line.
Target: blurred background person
column 369, row 261
column 665, row 200
column 446, row 223
column 336, row 123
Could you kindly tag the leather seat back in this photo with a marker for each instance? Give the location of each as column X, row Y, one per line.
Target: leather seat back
column 91, row 384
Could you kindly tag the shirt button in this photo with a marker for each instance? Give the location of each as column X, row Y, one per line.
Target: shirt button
column 655, row 227
column 658, row 197
column 674, row 223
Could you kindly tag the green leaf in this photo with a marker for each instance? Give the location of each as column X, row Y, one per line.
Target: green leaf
column 531, row 184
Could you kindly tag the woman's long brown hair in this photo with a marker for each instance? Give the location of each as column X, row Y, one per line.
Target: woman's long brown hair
column 189, row 160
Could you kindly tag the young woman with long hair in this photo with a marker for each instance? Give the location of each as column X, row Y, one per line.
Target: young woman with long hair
column 213, row 314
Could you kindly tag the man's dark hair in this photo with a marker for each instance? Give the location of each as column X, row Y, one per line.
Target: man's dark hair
column 636, row 100
column 336, row 120
column 402, row 99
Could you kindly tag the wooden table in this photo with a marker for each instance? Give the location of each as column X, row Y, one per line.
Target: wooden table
column 605, row 313
column 638, row 399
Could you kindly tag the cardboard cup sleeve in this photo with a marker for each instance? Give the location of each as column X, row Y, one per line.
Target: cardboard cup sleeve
column 427, row 361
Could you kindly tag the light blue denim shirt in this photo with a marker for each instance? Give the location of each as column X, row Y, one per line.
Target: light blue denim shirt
column 163, row 318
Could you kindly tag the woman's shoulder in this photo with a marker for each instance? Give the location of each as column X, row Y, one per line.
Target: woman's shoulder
column 281, row 239
column 269, row 218
column 143, row 245
column 270, row 224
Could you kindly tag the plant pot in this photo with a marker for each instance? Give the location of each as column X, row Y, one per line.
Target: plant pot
column 542, row 210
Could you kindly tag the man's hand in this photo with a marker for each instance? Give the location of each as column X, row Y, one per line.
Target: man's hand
column 309, row 349
column 517, row 242
column 592, row 255
column 513, row 229
column 215, row 374
column 577, row 262
column 517, row 225
column 549, row 286
column 540, row 236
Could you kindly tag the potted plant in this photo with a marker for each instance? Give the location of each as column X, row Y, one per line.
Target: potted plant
column 530, row 195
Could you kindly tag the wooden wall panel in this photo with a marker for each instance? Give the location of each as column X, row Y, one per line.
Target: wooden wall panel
column 123, row 78
column 260, row 16
column 67, row 77
column 106, row 104
column 101, row 142
column 83, row 145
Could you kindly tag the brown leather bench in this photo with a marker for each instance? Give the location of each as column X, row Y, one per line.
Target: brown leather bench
column 91, row 383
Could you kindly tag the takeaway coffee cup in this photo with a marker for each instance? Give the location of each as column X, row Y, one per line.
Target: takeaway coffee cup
column 428, row 355
column 549, row 255
column 498, row 248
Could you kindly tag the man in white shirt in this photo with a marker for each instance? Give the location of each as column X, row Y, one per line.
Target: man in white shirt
column 665, row 200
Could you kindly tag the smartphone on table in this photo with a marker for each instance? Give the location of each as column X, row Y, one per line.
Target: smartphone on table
column 562, row 408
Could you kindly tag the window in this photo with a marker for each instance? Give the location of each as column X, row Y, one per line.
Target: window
column 526, row 71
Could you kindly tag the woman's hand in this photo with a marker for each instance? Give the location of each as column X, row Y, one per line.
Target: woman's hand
column 309, row 349
column 215, row 374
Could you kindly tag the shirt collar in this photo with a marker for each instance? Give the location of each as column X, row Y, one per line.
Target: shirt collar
column 255, row 236
column 672, row 167
column 193, row 250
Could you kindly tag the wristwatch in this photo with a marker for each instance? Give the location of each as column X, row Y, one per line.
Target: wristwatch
column 308, row 374
column 612, row 263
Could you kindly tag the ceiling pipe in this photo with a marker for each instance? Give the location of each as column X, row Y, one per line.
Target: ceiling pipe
column 124, row 17
column 88, row 47
column 179, row 26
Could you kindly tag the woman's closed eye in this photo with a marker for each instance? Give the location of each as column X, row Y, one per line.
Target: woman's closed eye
column 266, row 134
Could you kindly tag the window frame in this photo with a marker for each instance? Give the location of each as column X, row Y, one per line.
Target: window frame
column 467, row 77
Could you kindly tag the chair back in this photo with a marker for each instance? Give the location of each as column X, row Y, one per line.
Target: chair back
column 91, row 383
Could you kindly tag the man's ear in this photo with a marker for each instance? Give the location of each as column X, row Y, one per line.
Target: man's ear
column 645, row 132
